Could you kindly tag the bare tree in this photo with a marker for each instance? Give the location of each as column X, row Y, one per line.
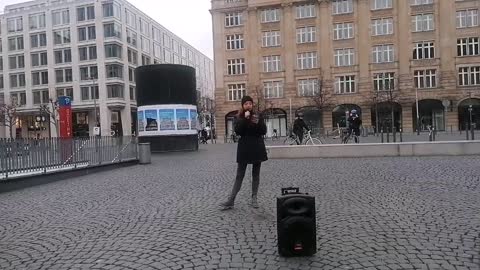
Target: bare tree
column 52, row 111
column 321, row 98
column 385, row 92
column 8, row 114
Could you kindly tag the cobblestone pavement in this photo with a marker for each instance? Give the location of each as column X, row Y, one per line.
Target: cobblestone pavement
column 383, row 213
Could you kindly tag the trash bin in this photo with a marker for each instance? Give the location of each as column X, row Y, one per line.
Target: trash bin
column 144, row 154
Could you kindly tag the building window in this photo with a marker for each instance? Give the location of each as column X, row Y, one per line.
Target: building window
column 15, row 24
column 86, row 33
column 133, row 93
column 146, row 60
column 421, row 2
column 131, row 75
column 272, row 63
column 307, row 60
column 61, row 36
column 115, row 91
column 382, row 4
column 235, row 42
column 236, row 66
column 132, row 57
column 383, row 54
column 425, row 78
column 143, row 26
column 468, row 46
column 19, row 98
column 63, row 75
column 87, row 53
column 145, row 44
column 345, row 84
column 271, row 39
column 114, row 71
column 131, row 19
column 424, row 50
column 1, row 82
column 342, row 31
column 344, row 57
column 37, row 21
column 60, row 17
column 342, row 7
column 305, row 11
column 306, row 34
column 384, row 81
column 381, row 27
column 15, row 43
column 233, row 19
column 65, row 91
column 63, row 56
column 38, row 40
column 270, row 15
column 16, row 61
column 273, row 89
column 423, row 22
column 236, row 91
column 41, row 96
column 17, row 80
column 469, row 76
column 113, row 51
column 85, row 13
column 307, row 87
column 111, row 10
column 467, row 18
column 112, row 30
column 89, row 92
column 132, row 38
column 88, row 73
column 39, row 77
column 39, row 59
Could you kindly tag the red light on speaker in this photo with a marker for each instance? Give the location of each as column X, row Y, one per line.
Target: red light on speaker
column 298, row 247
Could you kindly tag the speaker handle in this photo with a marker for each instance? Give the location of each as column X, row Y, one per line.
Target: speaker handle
column 290, row 190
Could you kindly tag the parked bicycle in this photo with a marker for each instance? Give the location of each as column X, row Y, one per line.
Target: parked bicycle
column 351, row 135
column 307, row 140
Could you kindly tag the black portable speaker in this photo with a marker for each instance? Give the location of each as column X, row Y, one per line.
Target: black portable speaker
column 296, row 223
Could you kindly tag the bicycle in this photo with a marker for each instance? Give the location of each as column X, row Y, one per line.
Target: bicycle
column 351, row 134
column 291, row 139
column 311, row 140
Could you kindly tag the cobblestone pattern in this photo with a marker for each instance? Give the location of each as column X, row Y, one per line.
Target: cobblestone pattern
column 383, row 213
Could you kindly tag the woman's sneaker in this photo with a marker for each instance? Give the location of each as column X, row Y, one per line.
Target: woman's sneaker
column 226, row 205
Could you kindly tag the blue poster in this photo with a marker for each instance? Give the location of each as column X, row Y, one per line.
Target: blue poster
column 193, row 118
column 152, row 120
column 182, row 119
column 167, row 119
column 140, row 119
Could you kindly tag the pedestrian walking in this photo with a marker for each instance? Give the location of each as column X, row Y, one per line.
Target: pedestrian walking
column 251, row 128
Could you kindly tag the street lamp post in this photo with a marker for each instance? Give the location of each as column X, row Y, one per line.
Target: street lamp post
column 418, row 116
column 94, row 96
column 470, row 109
column 376, row 112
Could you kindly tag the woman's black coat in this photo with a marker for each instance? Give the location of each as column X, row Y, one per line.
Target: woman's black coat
column 251, row 146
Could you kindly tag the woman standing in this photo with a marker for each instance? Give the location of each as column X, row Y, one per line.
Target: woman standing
column 251, row 128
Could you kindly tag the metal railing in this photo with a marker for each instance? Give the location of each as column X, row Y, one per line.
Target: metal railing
column 25, row 157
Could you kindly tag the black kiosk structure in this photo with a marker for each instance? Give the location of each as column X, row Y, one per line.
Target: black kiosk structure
column 167, row 115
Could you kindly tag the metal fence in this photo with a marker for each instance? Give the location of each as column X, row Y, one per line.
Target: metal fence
column 24, row 157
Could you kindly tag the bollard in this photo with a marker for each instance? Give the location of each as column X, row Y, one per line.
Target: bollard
column 394, row 134
column 144, row 153
column 388, row 135
column 434, row 134
column 401, row 135
column 381, row 133
column 467, row 131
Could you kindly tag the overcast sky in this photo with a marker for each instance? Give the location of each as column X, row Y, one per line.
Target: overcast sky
column 188, row 19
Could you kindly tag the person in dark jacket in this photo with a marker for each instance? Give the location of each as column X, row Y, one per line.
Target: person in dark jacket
column 354, row 123
column 298, row 127
column 251, row 128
